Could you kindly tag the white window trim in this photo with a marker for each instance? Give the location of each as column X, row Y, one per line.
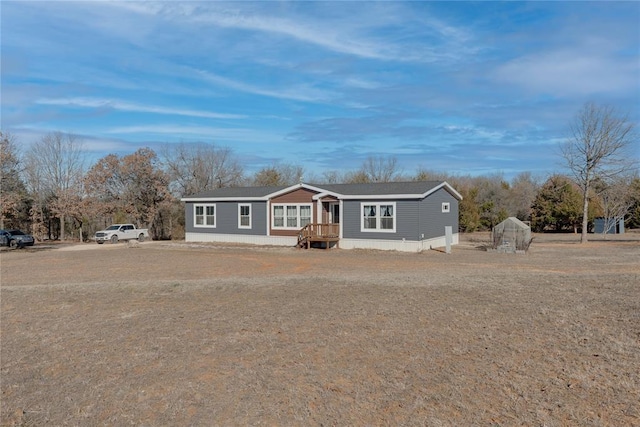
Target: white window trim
column 284, row 207
column 205, row 205
column 378, row 222
column 446, row 207
column 240, row 216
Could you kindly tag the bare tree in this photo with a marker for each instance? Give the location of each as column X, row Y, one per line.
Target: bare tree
column 616, row 198
column 633, row 219
column 521, row 195
column 492, row 198
column 331, row 177
column 38, row 213
column 423, row 174
column 598, row 148
column 55, row 167
column 356, row 177
column 193, row 168
column 380, row 169
column 279, row 174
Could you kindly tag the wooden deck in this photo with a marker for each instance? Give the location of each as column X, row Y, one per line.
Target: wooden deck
column 314, row 232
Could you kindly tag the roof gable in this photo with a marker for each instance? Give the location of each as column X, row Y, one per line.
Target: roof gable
column 512, row 223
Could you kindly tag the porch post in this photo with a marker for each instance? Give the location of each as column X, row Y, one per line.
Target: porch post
column 268, row 217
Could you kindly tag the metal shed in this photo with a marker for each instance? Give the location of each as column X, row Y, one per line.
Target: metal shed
column 608, row 226
column 511, row 235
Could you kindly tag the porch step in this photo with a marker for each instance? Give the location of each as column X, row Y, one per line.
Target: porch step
column 318, row 233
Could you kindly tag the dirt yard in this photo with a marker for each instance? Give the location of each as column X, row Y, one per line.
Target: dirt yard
column 184, row 334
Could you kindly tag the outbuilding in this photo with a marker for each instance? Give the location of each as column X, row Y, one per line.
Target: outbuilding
column 608, row 226
column 511, row 235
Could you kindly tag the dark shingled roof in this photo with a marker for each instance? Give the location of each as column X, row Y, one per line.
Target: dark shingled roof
column 230, row 192
column 380, row 188
column 368, row 189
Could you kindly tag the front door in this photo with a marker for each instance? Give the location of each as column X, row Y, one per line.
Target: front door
column 335, row 213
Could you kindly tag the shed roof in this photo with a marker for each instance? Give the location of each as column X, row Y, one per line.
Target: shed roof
column 512, row 223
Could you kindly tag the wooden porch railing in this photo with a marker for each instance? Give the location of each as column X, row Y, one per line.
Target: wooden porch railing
column 315, row 232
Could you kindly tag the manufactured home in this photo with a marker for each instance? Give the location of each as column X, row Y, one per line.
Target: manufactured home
column 403, row 216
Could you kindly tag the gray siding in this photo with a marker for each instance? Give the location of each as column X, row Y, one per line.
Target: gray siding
column 415, row 219
column 432, row 219
column 351, row 219
column 227, row 219
column 406, row 221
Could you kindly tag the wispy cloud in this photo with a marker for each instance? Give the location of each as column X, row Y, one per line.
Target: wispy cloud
column 350, row 34
column 397, row 126
column 296, row 92
column 179, row 132
column 133, row 107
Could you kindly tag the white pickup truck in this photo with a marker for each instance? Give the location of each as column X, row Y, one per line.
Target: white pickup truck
column 116, row 232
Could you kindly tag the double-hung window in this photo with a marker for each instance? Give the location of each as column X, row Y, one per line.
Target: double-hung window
column 290, row 216
column 278, row 216
column 387, row 218
column 204, row 216
column 305, row 215
column 244, row 216
column 370, row 217
column 378, row 217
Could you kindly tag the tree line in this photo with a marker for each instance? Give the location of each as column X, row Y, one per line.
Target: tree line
column 51, row 191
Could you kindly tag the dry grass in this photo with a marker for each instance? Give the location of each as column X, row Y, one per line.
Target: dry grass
column 177, row 334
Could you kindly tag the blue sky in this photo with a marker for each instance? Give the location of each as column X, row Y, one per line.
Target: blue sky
column 460, row 87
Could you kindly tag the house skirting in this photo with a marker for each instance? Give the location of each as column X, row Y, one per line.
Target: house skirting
column 397, row 245
column 390, row 245
column 242, row 238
